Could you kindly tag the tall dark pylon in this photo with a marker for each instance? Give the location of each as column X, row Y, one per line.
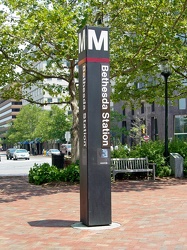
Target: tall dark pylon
column 94, row 117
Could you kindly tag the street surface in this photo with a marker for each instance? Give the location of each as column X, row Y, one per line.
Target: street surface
column 20, row 167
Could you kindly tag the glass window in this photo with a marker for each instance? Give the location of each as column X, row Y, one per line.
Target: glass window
column 124, row 137
column 180, row 124
column 142, row 108
column 182, row 103
column 153, row 106
column 15, row 110
column 16, row 103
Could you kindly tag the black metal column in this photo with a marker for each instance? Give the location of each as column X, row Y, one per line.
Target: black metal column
column 94, row 116
column 166, row 152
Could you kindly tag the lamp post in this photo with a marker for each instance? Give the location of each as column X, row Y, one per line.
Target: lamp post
column 166, row 72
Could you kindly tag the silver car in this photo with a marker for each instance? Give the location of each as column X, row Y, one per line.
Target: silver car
column 21, row 154
column 53, row 151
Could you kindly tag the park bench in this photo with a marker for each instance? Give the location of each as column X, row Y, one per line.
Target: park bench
column 132, row 165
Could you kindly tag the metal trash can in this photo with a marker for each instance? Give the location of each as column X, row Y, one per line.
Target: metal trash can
column 176, row 164
column 58, row 160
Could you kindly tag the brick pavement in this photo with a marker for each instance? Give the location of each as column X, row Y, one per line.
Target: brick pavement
column 152, row 215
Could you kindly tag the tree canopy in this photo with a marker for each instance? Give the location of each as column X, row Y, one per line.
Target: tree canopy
column 53, row 124
column 41, row 31
column 23, row 128
column 143, row 33
column 32, row 122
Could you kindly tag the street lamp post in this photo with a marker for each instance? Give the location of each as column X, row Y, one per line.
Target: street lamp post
column 165, row 72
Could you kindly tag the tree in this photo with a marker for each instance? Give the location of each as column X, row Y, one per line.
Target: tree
column 116, row 130
column 53, row 124
column 25, row 124
column 41, row 31
column 32, row 122
column 138, row 127
column 141, row 34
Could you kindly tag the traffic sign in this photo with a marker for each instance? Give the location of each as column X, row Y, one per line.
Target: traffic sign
column 146, row 137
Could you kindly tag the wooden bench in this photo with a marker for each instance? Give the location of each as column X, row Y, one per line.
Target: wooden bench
column 132, row 165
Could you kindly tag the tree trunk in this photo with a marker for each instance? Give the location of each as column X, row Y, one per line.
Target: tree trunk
column 75, row 132
column 75, row 114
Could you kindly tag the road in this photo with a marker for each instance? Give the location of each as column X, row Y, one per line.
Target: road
column 20, row 167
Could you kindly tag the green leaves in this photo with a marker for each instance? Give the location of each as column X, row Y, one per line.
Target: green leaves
column 25, row 124
column 33, row 122
column 71, row 173
column 141, row 34
column 44, row 173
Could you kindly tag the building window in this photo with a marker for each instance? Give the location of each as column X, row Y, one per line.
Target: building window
column 182, row 103
column 132, row 111
column 16, row 103
column 123, row 111
column 142, row 108
column 180, row 130
column 49, row 100
column 140, row 85
column 124, row 137
column 153, row 106
column 124, row 124
column 154, row 129
column 15, row 110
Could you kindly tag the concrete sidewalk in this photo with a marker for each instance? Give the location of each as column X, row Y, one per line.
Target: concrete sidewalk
column 152, row 215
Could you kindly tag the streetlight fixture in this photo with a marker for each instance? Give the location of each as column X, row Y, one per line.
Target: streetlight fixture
column 166, row 72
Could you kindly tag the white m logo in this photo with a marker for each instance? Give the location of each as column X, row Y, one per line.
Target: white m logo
column 82, row 41
column 92, row 39
column 93, row 42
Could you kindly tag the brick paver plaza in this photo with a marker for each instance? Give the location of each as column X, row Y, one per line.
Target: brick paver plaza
column 152, row 215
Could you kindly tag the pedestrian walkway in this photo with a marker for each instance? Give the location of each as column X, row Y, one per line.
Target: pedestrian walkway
column 152, row 215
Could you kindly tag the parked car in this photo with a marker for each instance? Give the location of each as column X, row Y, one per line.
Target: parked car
column 66, row 149
column 9, row 153
column 53, row 151
column 21, row 154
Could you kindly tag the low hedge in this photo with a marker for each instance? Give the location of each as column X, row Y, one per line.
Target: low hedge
column 44, row 173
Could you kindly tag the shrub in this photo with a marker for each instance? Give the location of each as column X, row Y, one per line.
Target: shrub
column 185, row 167
column 153, row 150
column 121, row 152
column 43, row 173
column 178, row 146
column 164, row 171
column 71, row 173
